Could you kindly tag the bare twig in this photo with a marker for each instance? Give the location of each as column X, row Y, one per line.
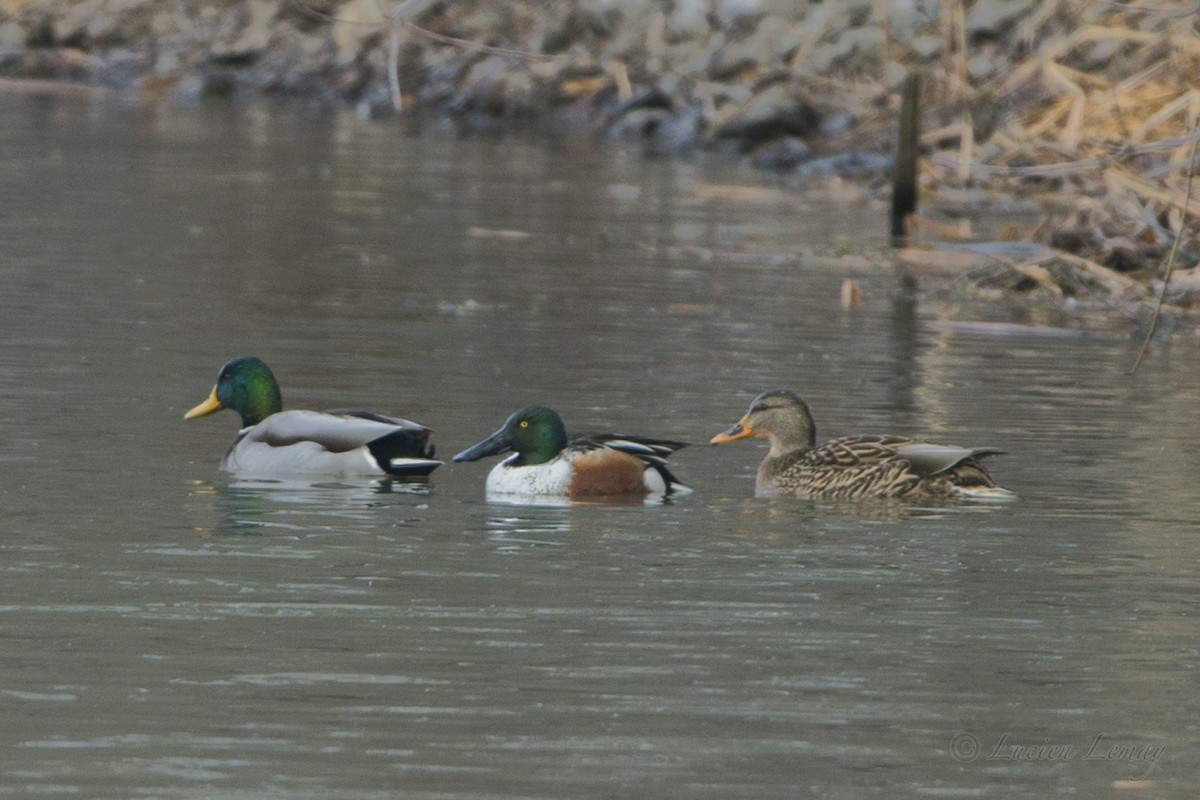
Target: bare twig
column 508, row 52
column 393, row 67
column 1068, row 167
column 403, row 10
column 1162, row 292
column 967, row 139
column 1178, row 13
column 399, row 19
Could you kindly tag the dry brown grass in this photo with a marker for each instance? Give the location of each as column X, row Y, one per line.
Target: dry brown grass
column 1099, row 121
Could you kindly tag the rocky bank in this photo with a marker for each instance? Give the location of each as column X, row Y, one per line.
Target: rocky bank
column 1087, row 106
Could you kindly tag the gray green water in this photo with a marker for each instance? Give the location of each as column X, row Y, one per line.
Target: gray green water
column 167, row 632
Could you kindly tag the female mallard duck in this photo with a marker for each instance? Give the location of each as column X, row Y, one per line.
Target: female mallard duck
column 547, row 463
column 854, row 466
column 338, row 443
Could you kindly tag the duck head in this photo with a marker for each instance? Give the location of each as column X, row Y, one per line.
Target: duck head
column 246, row 385
column 535, row 433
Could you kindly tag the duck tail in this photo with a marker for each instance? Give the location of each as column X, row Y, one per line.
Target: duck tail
column 992, row 492
column 653, row 453
column 405, row 453
column 659, row 465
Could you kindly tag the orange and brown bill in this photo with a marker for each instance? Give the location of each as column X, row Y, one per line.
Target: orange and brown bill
column 740, row 431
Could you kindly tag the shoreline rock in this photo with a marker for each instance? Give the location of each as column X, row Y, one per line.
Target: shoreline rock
column 1020, row 96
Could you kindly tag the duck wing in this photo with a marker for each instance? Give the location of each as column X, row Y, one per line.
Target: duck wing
column 926, row 458
column 885, row 466
column 634, row 445
column 338, row 442
column 403, row 452
column 652, row 452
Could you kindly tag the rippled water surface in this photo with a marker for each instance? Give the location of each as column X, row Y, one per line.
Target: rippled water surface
column 170, row 632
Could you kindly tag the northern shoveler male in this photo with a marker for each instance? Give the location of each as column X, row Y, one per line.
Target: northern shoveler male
column 333, row 444
column 854, row 467
column 546, row 463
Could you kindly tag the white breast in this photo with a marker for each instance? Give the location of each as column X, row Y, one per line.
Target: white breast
column 550, row 478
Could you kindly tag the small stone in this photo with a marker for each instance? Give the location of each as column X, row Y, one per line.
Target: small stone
column 189, row 91
column 992, row 17
column 927, row 46
column 779, row 110
column 847, row 165
column 254, row 36
column 660, row 130
column 785, row 154
column 70, row 26
column 356, row 23
column 688, row 20
column 895, row 74
column 12, row 37
column 768, row 47
column 859, row 46
column 981, row 67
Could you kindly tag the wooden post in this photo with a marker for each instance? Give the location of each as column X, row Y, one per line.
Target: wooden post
column 904, row 171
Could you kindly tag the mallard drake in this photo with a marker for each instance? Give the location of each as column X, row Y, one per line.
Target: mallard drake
column 854, row 466
column 334, row 444
column 545, row 462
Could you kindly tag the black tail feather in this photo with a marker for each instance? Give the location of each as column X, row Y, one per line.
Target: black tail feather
column 405, row 453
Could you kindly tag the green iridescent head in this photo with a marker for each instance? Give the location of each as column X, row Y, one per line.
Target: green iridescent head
column 246, row 385
column 535, row 433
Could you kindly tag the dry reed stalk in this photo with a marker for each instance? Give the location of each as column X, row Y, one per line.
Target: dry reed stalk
column 884, row 21
column 960, row 90
column 1180, row 201
column 1162, row 292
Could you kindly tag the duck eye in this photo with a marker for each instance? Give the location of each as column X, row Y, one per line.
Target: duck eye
column 524, row 423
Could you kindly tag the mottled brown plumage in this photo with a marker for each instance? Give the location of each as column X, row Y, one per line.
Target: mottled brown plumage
column 854, row 467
